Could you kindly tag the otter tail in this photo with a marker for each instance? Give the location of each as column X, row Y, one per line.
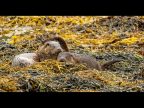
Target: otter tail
column 107, row 64
column 61, row 42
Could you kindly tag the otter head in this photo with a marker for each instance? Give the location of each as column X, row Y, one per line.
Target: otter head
column 49, row 50
column 53, row 47
column 66, row 57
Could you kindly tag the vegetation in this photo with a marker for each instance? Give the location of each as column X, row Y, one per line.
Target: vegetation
column 104, row 37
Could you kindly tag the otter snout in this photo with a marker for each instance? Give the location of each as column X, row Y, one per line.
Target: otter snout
column 57, row 51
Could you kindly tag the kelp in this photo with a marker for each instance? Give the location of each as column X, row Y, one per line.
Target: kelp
column 104, row 37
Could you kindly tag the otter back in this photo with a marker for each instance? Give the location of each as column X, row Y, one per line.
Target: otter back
column 88, row 60
column 24, row 59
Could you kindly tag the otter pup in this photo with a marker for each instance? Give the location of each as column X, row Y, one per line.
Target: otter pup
column 88, row 60
column 49, row 50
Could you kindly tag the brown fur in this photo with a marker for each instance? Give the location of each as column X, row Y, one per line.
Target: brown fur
column 49, row 50
column 90, row 61
column 61, row 42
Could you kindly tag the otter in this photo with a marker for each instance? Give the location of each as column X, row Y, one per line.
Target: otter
column 61, row 41
column 88, row 60
column 49, row 50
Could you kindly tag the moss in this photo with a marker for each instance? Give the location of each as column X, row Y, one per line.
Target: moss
column 8, row 84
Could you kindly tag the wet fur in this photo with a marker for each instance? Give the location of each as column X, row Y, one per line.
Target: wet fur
column 88, row 60
column 49, row 50
column 61, row 41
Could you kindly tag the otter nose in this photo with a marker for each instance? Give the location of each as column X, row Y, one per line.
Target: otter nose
column 57, row 50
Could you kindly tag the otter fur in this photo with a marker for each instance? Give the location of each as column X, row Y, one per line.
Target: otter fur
column 24, row 59
column 61, row 41
column 49, row 50
column 88, row 60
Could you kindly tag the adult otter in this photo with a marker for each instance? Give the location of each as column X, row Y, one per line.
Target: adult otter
column 49, row 50
column 88, row 60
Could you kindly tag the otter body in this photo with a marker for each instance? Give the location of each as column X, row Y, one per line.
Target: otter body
column 24, row 59
column 49, row 50
column 88, row 60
